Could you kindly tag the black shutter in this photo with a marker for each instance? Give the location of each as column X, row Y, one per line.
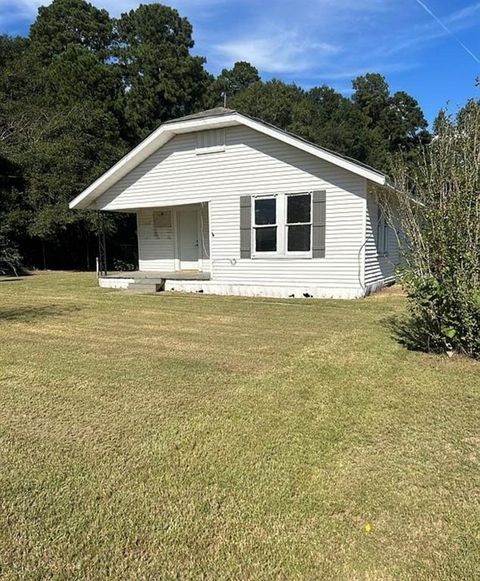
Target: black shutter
column 245, row 227
column 318, row 224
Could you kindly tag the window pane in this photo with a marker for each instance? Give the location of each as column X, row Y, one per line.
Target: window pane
column 299, row 238
column 266, row 239
column 298, row 209
column 265, row 211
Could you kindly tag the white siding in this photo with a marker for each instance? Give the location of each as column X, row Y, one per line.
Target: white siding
column 155, row 245
column 252, row 163
column 379, row 269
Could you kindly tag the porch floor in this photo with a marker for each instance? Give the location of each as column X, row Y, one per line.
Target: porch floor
column 157, row 276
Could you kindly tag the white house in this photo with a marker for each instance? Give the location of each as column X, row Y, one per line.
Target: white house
column 228, row 204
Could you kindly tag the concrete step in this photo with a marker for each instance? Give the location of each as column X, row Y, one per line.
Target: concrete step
column 146, row 287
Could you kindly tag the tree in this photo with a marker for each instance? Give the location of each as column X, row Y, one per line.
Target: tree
column 395, row 121
column 439, row 212
column 161, row 79
column 231, row 81
column 10, row 212
column 336, row 123
column 404, row 121
column 10, row 259
column 60, row 96
column 15, row 124
column 371, row 95
column 73, row 97
column 12, row 50
column 72, row 41
column 275, row 102
column 67, row 23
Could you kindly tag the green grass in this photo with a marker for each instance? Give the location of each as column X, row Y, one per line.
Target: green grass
column 190, row 436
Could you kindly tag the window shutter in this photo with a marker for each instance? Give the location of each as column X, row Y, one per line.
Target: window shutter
column 245, row 227
column 318, row 224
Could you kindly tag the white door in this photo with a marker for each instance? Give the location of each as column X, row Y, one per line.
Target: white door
column 187, row 240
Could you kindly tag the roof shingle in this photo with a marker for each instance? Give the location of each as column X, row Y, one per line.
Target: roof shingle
column 216, row 112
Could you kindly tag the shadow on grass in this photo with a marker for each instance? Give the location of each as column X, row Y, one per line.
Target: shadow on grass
column 11, row 279
column 409, row 334
column 28, row 314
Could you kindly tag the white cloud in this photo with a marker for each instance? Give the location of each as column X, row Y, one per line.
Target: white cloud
column 28, row 8
column 18, row 9
column 464, row 15
column 279, row 52
column 13, row 11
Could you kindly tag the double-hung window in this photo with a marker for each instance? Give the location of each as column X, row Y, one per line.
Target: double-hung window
column 265, row 225
column 299, row 223
column 282, row 225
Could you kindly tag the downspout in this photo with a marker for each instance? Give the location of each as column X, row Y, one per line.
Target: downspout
column 361, row 251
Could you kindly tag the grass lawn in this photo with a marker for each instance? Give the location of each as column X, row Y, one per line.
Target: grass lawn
column 180, row 436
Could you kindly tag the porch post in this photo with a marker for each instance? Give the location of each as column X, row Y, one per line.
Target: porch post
column 102, row 249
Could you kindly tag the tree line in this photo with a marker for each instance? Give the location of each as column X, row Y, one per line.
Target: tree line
column 83, row 88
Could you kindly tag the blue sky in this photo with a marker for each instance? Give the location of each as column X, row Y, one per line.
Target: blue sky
column 430, row 48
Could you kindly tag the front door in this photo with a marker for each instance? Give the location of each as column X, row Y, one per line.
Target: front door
column 187, row 222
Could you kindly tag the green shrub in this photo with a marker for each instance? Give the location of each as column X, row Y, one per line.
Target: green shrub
column 438, row 207
column 443, row 314
column 122, row 265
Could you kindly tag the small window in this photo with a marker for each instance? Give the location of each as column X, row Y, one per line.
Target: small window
column 299, row 223
column 265, row 226
column 210, row 141
column 382, row 233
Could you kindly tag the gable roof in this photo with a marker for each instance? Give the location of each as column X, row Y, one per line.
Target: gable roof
column 215, row 119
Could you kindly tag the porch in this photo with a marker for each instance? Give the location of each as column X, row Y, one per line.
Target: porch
column 173, row 245
column 172, row 240
column 153, row 281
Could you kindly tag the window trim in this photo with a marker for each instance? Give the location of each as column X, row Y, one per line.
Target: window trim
column 281, row 224
column 298, row 253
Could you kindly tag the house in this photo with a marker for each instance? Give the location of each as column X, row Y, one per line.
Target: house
column 228, row 204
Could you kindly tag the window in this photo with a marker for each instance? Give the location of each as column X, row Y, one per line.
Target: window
column 265, row 224
column 382, row 232
column 299, row 223
column 210, row 141
column 284, row 225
